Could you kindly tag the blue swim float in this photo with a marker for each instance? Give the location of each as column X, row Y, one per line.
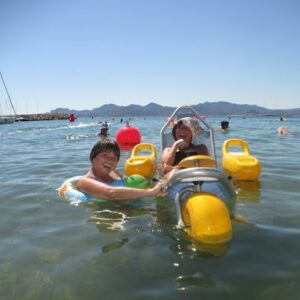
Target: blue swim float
column 69, row 191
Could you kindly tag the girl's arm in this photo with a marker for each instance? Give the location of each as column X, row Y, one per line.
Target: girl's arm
column 102, row 190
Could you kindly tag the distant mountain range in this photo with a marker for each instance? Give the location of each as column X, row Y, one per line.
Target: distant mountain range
column 153, row 109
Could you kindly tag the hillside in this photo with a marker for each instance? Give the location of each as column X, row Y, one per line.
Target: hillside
column 153, row 109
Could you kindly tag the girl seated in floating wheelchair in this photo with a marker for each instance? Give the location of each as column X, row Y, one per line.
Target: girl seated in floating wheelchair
column 189, row 139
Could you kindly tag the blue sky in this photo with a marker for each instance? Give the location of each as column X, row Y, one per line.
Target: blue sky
column 81, row 54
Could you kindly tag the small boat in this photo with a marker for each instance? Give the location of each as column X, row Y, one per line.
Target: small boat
column 6, row 118
column 238, row 162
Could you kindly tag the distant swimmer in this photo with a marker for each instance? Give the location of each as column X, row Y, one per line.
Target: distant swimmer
column 224, row 126
column 284, row 131
column 282, row 118
column 103, row 133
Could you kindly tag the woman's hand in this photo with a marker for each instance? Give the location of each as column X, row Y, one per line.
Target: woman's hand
column 158, row 189
column 181, row 144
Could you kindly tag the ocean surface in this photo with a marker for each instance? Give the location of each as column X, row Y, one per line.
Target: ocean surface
column 50, row 249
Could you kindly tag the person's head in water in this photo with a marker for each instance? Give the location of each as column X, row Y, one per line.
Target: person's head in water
column 284, row 131
column 104, row 131
column 224, row 125
column 105, row 146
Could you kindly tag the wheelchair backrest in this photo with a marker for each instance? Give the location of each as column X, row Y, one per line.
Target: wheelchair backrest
column 206, row 137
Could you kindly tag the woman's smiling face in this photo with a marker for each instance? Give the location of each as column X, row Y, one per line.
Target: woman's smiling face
column 183, row 132
column 105, row 162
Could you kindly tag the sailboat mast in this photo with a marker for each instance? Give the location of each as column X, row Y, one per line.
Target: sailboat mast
column 8, row 94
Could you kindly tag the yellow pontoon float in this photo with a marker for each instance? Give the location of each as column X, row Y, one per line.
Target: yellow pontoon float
column 241, row 165
column 142, row 161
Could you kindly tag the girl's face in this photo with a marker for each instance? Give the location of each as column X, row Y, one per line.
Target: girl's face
column 183, row 132
column 105, row 162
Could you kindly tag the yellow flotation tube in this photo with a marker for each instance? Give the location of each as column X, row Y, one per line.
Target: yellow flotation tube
column 241, row 165
column 142, row 161
column 207, row 219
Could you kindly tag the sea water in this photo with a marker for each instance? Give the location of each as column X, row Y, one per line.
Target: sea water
column 50, row 249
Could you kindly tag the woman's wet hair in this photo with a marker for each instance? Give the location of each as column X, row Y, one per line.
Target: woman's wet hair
column 105, row 145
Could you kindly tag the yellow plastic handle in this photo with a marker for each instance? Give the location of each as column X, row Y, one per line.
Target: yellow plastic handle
column 236, row 142
column 144, row 147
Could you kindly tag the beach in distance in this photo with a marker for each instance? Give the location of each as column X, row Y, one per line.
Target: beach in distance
column 50, row 249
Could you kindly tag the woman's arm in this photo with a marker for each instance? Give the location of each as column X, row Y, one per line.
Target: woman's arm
column 163, row 169
column 102, row 190
column 168, row 155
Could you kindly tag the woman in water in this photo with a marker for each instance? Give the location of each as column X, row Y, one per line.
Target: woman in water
column 104, row 157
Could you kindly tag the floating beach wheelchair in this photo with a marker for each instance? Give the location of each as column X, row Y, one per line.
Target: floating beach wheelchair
column 204, row 196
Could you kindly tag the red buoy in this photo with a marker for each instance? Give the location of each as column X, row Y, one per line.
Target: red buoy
column 127, row 137
column 71, row 117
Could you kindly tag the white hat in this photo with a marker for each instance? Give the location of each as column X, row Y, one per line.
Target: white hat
column 191, row 123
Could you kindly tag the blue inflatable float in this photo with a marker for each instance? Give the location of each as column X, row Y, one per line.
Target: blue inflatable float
column 69, row 192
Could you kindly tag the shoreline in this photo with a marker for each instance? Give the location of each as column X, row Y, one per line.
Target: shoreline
column 42, row 117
